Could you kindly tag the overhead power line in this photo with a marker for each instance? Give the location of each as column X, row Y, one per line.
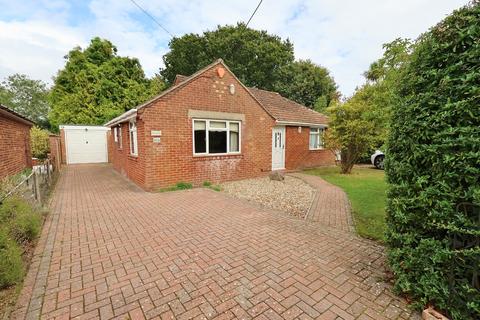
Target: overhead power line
column 254, row 12
column 151, row 17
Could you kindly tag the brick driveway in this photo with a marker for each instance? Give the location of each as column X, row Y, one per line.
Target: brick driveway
column 110, row 250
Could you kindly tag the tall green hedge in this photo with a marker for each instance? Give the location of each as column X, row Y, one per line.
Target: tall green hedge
column 433, row 169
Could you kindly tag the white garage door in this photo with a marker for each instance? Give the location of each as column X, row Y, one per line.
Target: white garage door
column 86, row 144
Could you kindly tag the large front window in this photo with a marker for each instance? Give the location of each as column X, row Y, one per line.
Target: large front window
column 216, row 137
column 316, row 138
column 132, row 128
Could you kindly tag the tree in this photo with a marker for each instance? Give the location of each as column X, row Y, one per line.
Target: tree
column 433, row 170
column 255, row 57
column 96, row 85
column 40, row 142
column 355, row 127
column 27, row 97
column 307, row 83
column 387, row 68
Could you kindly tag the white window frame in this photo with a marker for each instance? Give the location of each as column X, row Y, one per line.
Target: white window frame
column 318, row 132
column 132, row 136
column 119, row 138
column 115, row 134
column 227, row 129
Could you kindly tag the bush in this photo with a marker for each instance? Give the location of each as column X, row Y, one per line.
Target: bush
column 23, row 222
column 11, row 264
column 433, row 170
column 40, row 142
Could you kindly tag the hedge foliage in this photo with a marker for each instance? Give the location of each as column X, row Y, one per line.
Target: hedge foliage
column 433, row 169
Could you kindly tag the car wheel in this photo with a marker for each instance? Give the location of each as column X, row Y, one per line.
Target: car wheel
column 379, row 162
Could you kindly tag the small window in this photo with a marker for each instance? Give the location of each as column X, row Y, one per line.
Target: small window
column 216, row 137
column 132, row 126
column 115, row 137
column 316, row 138
column 119, row 136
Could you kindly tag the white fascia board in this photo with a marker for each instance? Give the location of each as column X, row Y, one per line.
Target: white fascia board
column 301, row 124
column 82, row 127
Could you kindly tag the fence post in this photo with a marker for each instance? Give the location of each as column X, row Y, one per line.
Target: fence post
column 36, row 187
column 48, row 171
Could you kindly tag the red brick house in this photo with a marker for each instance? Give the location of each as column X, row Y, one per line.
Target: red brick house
column 210, row 127
column 15, row 152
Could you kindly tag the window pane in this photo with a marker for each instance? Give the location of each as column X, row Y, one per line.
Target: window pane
column 234, row 126
column 199, row 125
column 217, row 141
column 313, row 141
column 200, row 141
column 234, row 141
column 135, row 143
column 218, row 125
column 132, row 143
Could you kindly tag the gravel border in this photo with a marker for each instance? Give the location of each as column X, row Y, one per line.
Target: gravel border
column 292, row 195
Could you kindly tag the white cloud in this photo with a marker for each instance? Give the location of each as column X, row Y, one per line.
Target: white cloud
column 344, row 36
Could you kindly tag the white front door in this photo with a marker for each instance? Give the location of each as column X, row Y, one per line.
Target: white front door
column 278, row 148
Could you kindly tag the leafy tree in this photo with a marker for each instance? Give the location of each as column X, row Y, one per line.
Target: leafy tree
column 355, row 127
column 27, row 97
column 96, row 85
column 387, row 68
column 307, row 83
column 433, row 169
column 255, row 57
column 39, row 142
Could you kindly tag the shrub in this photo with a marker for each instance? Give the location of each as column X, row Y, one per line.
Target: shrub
column 40, row 142
column 207, row 183
column 23, row 222
column 11, row 264
column 433, row 169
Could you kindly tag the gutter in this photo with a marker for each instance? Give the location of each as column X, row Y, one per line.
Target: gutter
column 130, row 114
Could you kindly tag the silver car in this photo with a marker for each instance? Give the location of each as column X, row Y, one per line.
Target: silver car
column 378, row 159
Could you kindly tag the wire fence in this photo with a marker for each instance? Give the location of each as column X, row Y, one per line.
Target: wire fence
column 34, row 186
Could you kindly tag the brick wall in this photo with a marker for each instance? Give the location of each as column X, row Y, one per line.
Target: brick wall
column 128, row 165
column 55, row 149
column 297, row 153
column 15, row 152
column 172, row 160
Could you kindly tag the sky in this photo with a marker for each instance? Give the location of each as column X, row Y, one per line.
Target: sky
column 344, row 36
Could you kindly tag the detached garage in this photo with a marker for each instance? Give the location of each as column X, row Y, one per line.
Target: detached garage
column 85, row 144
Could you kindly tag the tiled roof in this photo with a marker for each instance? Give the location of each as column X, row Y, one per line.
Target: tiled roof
column 285, row 110
column 14, row 115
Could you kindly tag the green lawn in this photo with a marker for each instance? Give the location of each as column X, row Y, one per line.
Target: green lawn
column 366, row 189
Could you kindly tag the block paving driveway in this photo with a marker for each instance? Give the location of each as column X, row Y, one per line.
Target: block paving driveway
column 110, row 250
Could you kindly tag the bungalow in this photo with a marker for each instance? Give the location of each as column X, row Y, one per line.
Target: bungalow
column 210, row 127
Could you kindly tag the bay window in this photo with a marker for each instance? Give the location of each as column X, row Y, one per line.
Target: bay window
column 316, row 138
column 216, row 137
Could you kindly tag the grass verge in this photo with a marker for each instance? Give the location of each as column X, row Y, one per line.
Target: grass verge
column 366, row 189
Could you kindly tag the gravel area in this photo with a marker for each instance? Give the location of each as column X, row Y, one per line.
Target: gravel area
column 291, row 195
